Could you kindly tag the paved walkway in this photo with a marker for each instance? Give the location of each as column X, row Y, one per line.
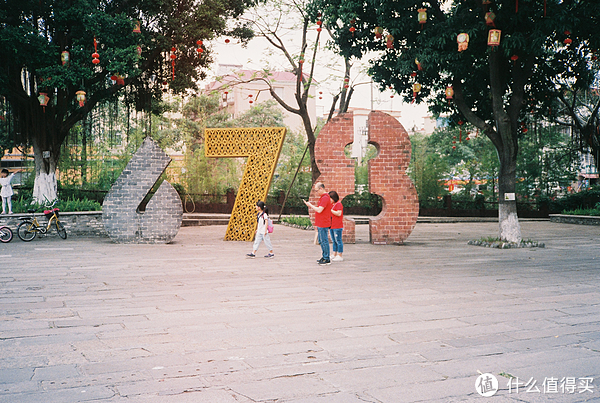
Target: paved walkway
column 85, row 320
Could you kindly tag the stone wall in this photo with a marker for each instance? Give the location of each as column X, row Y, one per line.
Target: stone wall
column 83, row 224
column 161, row 220
column 575, row 219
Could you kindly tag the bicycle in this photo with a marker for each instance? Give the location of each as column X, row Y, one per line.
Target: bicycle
column 30, row 226
column 6, row 234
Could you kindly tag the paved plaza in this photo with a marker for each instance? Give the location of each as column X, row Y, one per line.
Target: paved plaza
column 86, row 320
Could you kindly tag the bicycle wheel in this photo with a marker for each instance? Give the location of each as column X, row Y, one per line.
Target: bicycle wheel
column 60, row 228
column 6, row 235
column 26, row 231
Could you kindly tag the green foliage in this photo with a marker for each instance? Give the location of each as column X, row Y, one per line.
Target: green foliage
column 34, row 33
column 548, row 160
column 292, row 152
column 496, row 89
column 297, row 220
column 23, row 203
column 584, row 200
column 583, row 211
column 427, row 170
column 210, row 175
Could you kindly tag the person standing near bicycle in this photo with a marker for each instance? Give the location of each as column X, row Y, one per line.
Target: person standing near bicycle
column 7, row 191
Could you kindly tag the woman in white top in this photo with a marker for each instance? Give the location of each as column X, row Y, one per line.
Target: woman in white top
column 262, row 232
column 6, row 191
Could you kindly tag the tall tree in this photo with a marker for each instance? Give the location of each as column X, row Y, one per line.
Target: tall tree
column 137, row 49
column 494, row 86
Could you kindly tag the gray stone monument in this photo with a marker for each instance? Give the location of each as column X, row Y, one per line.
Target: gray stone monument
column 161, row 220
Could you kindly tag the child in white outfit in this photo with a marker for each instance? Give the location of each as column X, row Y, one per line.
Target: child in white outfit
column 262, row 233
column 6, row 191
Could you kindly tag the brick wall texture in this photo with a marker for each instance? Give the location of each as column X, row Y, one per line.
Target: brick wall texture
column 163, row 215
column 387, row 175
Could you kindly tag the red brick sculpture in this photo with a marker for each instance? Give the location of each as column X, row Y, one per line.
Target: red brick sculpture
column 387, row 175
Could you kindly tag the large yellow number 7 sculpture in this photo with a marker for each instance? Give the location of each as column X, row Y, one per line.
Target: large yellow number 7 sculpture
column 262, row 146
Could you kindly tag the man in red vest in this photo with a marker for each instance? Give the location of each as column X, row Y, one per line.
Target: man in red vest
column 322, row 220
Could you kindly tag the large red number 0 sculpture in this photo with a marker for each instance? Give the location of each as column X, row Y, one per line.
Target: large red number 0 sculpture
column 387, row 175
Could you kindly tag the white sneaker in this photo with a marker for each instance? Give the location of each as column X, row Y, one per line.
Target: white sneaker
column 337, row 259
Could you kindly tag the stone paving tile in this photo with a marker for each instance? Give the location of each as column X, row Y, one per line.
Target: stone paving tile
column 94, row 321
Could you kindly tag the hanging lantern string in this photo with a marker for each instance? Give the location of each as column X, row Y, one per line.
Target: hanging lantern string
column 516, row 6
column 544, row 8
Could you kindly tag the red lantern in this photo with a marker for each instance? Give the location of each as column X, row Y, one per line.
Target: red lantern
column 568, row 40
column 378, row 32
column 199, row 42
column 352, row 29
column 494, row 37
column 95, row 55
column 346, row 82
column 80, row 98
column 463, row 41
column 173, row 57
column 389, row 41
column 416, row 88
column 139, row 50
column 422, row 16
column 137, row 29
column 449, row 92
column 227, row 40
column 43, row 99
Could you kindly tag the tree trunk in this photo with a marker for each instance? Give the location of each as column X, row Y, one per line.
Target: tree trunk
column 510, row 229
column 44, row 186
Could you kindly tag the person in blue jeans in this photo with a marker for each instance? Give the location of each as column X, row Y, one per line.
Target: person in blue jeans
column 337, row 226
column 322, row 220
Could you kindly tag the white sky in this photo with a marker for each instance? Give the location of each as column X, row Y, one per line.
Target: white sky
column 259, row 54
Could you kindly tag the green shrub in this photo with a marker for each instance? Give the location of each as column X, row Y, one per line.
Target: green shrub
column 22, row 204
column 300, row 221
column 583, row 211
column 587, row 199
